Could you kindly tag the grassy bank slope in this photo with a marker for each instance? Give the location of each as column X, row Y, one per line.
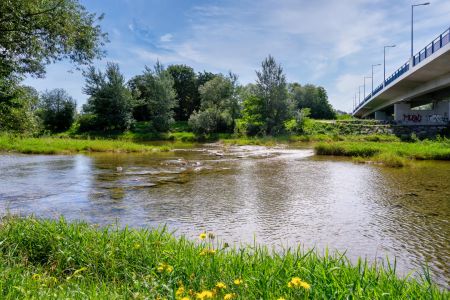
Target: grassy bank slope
column 49, row 145
column 55, row 259
column 389, row 152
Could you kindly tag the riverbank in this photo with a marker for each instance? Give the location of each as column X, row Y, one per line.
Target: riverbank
column 79, row 144
column 55, row 145
column 394, row 154
column 55, row 259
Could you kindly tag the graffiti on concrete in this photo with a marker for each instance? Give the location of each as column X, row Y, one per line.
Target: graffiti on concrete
column 412, row 118
column 438, row 118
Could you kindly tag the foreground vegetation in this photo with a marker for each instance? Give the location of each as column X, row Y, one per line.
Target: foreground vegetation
column 56, row 259
column 394, row 154
column 52, row 145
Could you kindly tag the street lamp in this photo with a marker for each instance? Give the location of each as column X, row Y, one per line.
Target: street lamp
column 372, row 75
column 365, row 77
column 412, row 24
column 384, row 63
column 359, row 93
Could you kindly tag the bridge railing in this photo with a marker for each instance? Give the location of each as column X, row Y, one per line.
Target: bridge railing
column 432, row 47
column 439, row 42
column 399, row 72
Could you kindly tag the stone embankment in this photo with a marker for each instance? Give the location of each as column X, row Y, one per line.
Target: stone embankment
column 367, row 127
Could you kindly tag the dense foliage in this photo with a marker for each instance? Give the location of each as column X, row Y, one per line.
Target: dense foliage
column 57, row 110
column 312, row 97
column 219, row 106
column 109, row 104
column 36, row 33
column 17, row 108
column 154, row 97
column 271, row 89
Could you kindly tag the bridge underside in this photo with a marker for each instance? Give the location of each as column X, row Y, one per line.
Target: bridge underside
column 425, row 83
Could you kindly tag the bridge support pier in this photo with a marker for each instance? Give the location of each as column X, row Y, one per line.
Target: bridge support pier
column 437, row 115
column 381, row 116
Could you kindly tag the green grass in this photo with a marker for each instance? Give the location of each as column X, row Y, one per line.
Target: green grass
column 53, row 145
column 389, row 153
column 44, row 259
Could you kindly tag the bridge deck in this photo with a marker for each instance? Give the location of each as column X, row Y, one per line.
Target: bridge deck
column 427, row 72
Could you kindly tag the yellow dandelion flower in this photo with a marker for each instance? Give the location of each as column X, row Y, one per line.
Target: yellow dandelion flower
column 221, row 285
column 295, row 282
column 238, row 281
column 185, row 298
column 202, row 236
column 229, row 296
column 305, row 285
column 169, row 269
column 136, row 246
column 180, row 291
column 281, row 298
column 207, row 252
column 204, row 295
column 160, row 269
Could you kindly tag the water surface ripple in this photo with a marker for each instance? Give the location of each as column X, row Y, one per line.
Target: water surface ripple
column 280, row 197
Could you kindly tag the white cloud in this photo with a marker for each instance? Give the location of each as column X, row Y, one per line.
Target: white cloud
column 166, row 38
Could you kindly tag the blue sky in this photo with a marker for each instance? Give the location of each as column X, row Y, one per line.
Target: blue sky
column 331, row 43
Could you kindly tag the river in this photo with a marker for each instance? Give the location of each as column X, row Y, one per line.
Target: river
column 280, row 197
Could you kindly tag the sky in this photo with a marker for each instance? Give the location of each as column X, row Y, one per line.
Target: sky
column 331, row 43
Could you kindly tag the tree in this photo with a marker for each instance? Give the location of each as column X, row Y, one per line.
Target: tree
column 36, row 33
column 312, row 97
column 17, row 108
column 109, row 104
column 219, row 106
column 271, row 89
column 155, row 97
column 185, row 85
column 57, row 110
column 252, row 121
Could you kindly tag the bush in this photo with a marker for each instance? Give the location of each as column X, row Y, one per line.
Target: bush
column 87, row 122
column 209, row 121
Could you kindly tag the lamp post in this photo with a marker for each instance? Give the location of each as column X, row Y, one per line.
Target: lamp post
column 412, row 25
column 384, row 63
column 359, row 93
column 365, row 77
column 372, row 76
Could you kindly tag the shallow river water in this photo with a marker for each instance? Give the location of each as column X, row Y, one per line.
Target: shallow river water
column 280, row 197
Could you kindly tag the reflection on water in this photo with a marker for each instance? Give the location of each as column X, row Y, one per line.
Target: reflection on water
column 283, row 197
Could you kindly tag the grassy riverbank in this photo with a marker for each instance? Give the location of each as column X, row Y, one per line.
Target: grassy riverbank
column 389, row 153
column 54, row 145
column 53, row 260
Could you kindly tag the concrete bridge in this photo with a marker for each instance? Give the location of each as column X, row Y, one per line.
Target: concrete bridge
column 418, row 93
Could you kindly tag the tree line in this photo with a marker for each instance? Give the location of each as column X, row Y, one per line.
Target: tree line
column 36, row 33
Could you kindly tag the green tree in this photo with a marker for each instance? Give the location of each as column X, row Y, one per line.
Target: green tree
column 36, row 33
column 185, row 85
column 219, row 106
column 109, row 104
column 17, row 108
column 312, row 97
column 271, row 89
column 57, row 110
column 155, row 97
column 252, row 121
